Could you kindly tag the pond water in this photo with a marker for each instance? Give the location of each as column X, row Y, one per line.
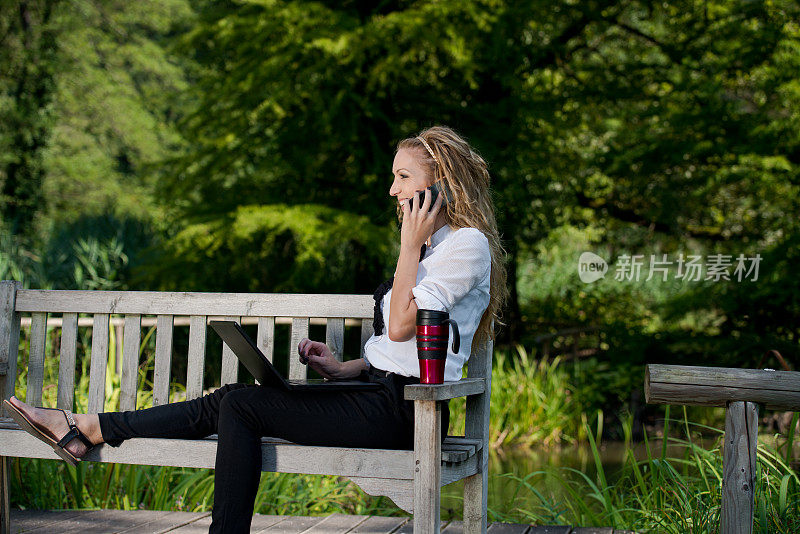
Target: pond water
column 506, row 494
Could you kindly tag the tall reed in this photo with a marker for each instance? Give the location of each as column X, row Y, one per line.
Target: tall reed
column 660, row 493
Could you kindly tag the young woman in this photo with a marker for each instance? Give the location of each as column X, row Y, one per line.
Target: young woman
column 450, row 259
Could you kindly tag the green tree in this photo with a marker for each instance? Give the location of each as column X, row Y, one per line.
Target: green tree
column 28, row 54
column 674, row 119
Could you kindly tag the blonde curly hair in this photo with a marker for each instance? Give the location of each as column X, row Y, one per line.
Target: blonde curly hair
column 465, row 175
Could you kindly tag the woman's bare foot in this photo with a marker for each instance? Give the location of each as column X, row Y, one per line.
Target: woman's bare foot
column 54, row 423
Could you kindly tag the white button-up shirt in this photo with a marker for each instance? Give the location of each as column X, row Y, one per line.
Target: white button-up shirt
column 453, row 277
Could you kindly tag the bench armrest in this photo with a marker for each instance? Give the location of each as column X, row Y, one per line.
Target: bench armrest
column 445, row 391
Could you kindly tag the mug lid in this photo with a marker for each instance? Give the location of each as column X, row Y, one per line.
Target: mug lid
column 431, row 316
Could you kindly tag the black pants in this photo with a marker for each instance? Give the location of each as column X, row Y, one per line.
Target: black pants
column 241, row 414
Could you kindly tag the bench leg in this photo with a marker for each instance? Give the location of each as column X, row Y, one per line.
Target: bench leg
column 476, row 490
column 5, row 498
column 427, row 466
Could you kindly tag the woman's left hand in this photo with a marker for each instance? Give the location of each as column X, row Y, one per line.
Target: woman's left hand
column 418, row 221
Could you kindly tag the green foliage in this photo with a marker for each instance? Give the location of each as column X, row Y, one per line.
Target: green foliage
column 115, row 101
column 281, row 248
column 29, row 59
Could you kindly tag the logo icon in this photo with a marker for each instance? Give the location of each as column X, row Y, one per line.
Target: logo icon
column 591, row 267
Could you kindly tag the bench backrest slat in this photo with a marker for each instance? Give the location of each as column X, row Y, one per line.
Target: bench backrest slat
column 265, row 338
column 366, row 332
column 299, row 330
column 186, row 304
column 66, row 364
column 163, row 363
column 197, row 355
column 230, row 363
column 334, row 337
column 33, row 393
column 132, row 338
column 97, row 365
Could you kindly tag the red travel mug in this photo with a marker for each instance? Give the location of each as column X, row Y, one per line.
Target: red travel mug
column 433, row 331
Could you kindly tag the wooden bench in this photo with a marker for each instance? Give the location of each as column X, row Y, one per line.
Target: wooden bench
column 412, row 479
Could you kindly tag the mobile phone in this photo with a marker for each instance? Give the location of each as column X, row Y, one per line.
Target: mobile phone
column 434, row 194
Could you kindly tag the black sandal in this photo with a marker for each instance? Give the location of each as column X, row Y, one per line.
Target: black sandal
column 58, row 446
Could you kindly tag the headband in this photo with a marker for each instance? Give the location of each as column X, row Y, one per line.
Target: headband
column 429, row 149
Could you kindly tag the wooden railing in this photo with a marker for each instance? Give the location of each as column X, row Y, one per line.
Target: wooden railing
column 741, row 391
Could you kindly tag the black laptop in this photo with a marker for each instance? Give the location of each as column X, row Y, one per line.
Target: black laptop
column 262, row 369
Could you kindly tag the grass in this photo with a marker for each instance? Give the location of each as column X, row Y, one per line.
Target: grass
column 660, row 493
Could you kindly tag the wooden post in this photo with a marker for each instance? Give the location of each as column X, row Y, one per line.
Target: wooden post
column 739, row 467
column 9, row 338
column 5, row 498
column 427, row 466
column 9, row 345
column 476, row 487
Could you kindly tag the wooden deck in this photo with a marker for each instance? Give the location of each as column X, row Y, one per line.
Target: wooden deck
column 118, row 521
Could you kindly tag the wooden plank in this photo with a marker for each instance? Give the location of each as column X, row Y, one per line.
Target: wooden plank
column 739, row 467
column 554, row 529
column 163, row 360
column 292, row 525
column 165, row 522
column 724, row 376
column 265, row 338
column 66, row 364
column 299, row 331
column 71, row 524
column 511, row 528
column 179, row 303
column 119, row 334
column 454, row 527
column 263, row 521
column 197, row 357
column 476, row 487
column 9, row 338
column 132, row 339
column 33, row 392
column 453, row 456
column 137, row 521
column 334, row 337
column 99, row 522
column 97, row 370
column 55, row 322
column 408, row 528
column 446, row 390
column 366, row 332
column 199, row 526
column 337, row 524
column 428, row 465
column 276, row 457
column 377, row 524
column 464, row 441
column 585, row 530
column 715, row 386
column 41, row 520
column 230, row 363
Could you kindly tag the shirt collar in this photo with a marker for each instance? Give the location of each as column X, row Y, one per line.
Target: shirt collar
column 440, row 235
